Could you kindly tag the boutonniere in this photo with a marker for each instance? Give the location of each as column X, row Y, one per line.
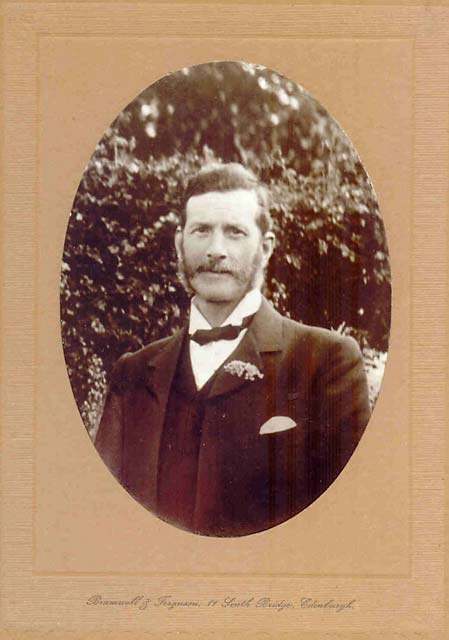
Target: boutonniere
column 245, row 370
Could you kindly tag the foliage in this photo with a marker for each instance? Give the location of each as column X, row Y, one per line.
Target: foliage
column 375, row 362
column 119, row 290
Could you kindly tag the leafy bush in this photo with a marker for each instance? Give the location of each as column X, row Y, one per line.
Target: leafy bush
column 375, row 362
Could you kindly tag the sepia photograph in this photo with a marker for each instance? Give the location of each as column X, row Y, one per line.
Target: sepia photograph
column 225, row 299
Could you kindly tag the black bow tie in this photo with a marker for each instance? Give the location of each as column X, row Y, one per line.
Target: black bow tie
column 228, row 332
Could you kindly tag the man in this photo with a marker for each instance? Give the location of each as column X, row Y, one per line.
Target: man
column 243, row 418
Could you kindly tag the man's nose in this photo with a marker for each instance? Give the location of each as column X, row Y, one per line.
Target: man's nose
column 217, row 246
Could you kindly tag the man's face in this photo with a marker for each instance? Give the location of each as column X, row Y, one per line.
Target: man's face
column 221, row 249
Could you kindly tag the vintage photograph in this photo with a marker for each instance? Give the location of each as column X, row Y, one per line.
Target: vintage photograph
column 225, row 299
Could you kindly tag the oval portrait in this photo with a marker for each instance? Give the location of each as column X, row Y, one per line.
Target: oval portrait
column 225, row 299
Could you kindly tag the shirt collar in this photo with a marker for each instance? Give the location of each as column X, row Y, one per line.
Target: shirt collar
column 247, row 306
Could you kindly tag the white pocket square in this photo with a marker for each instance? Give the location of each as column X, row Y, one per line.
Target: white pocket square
column 277, row 423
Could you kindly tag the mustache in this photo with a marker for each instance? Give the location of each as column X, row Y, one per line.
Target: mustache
column 215, row 267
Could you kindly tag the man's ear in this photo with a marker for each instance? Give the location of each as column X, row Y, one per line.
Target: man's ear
column 178, row 242
column 267, row 246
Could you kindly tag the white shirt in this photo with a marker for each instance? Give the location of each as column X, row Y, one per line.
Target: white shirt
column 207, row 358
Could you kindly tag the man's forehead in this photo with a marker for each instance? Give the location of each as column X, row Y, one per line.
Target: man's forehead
column 237, row 202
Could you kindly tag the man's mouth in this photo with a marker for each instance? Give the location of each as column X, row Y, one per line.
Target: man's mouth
column 215, row 271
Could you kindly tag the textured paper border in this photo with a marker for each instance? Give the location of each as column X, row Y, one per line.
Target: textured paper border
column 418, row 599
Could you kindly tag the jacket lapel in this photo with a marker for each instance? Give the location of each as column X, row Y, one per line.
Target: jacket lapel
column 161, row 367
column 263, row 335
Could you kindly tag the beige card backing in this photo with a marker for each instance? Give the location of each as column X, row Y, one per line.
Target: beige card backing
column 375, row 538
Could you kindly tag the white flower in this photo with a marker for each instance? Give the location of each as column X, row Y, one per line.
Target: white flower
column 241, row 369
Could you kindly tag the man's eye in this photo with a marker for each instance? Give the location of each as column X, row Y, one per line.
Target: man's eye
column 201, row 230
column 235, row 231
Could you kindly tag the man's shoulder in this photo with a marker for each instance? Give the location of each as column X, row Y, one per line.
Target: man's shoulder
column 150, row 350
column 131, row 367
column 318, row 340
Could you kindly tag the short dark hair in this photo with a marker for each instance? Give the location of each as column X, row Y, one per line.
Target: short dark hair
column 229, row 177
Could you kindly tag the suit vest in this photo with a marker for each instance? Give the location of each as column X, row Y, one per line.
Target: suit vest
column 180, row 445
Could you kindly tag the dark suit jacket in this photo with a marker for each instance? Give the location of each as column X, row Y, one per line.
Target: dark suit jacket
column 246, row 482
